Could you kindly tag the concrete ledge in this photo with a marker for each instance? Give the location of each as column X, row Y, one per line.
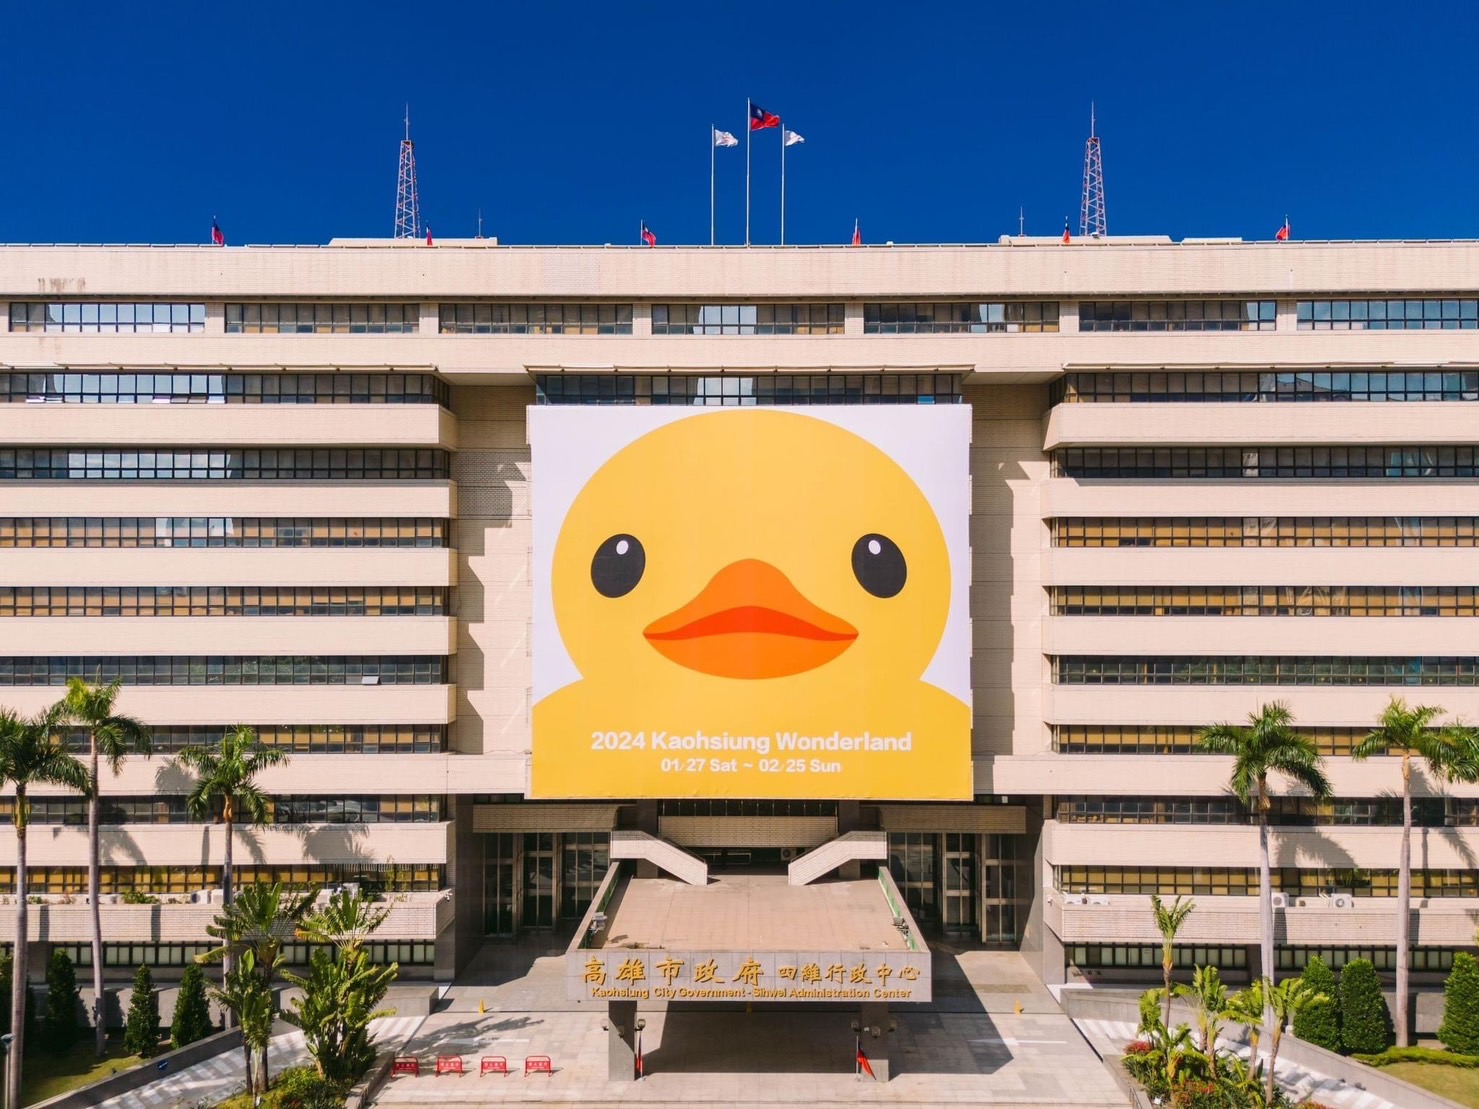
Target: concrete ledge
column 129, row 1080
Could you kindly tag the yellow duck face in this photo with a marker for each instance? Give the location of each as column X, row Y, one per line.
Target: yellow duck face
column 751, row 546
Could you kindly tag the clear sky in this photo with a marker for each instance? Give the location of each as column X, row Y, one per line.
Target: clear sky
column 572, row 122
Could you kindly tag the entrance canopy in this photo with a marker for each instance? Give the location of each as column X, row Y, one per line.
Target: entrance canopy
column 747, row 938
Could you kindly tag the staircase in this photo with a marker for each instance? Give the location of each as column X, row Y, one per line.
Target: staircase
column 660, row 853
column 852, row 847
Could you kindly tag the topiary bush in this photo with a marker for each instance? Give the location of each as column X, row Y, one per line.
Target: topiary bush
column 192, row 1016
column 1460, row 1028
column 1319, row 1024
column 59, row 1028
column 1365, row 1023
column 141, row 1027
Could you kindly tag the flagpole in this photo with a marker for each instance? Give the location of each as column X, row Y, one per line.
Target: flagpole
column 713, row 142
column 783, row 182
column 748, row 132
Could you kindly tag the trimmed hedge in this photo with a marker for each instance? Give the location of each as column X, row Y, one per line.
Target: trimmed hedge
column 1460, row 1028
column 1320, row 1024
column 1419, row 1055
column 1365, row 1023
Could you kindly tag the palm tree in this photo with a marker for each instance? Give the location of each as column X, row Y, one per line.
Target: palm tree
column 225, row 778
column 32, row 752
column 1452, row 754
column 1288, row 999
column 1267, row 744
column 1168, row 920
column 112, row 736
column 1209, row 1007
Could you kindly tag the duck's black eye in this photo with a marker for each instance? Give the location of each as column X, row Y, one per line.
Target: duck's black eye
column 878, row 564
column 618, row 566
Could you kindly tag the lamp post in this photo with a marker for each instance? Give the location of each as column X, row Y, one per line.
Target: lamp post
column 5, row 1042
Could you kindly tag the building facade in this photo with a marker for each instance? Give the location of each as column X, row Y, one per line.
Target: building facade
column 290, row 487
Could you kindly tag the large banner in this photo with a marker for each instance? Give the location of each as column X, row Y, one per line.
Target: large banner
column 751, row 602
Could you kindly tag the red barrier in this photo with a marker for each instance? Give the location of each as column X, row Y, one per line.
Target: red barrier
column 406, row 1065
column 538, row 1064
column 494, row 1064
column 449, row 1064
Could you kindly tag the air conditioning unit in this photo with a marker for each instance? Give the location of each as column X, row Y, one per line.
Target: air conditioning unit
column 1280, row 900
column 787, row 854
column 1342, row 901
column 1096, row 899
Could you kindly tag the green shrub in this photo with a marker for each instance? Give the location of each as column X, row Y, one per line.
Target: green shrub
column 1460, row 1028
column 192, row 1016
column 1419, row 1055
column 1150, row 1009
column 59, row 1028
column 1319, row 1024
column 302, row 1088
column 141, row 1027
column 1365, row 1023
column 134, row 897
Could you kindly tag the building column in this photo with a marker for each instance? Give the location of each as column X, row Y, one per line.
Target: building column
column 874, row 1028
column 621, row 1041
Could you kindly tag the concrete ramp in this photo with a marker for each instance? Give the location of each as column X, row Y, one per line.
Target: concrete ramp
column 852, row 847
column 667, row 857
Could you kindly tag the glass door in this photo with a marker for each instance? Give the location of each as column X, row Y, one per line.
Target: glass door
column 911, row 861
column 960, row 881
column 499, row 873
column 584, row 858
column 539, row 880
column 999, row 890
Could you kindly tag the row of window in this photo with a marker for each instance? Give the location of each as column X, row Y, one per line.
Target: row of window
column 1427, row 812
column 1224, row 881
column 107, row 317
column 322, row 319
column 1267, row 531
column 959, row 317
column 222, row 600
column 1266, row 386
column 1436, row 314
column 245, row 464
column 406, row 953
column 535, row 319
column 1262, row 600
column 1174, row 739
column 227, row 670
column 1106, row 956
column 376, row 878
column 1387, row 462
column 302, row 739
column 1264, row 670
column 735, row 390
column 72, row 811
column 221, row 531
column 724, row 806
column 1177, row 315
column 225, row 388
column 747, row 319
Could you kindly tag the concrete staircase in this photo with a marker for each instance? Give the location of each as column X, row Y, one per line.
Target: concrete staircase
column 852, row 847
column 666, row 856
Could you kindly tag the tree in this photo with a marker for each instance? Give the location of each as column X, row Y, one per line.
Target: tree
column 192, row 1015
column 59, row 1026
column 1209, row 1007
column 1288, row 999
column 250, row 1001
column 1451, row 754
column 32, row 752
column 1168, row 921
column 1267, row 744
column 7, row 981
column 141, row 1027
column 1365, row 1024
column 1460, row 1028
column 113, row 736
column 1319, row 1024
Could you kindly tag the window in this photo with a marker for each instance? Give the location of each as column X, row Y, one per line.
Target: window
column 748, row 389
column 1174, row 739
column 1252, row 386
column 1264, row 670
column 216, row 388
column 1243, row 882
column 171, row 809
column 1127, row 956
column 1262, row 531
column 1434, row 314
column 1391, row 463
column 322, row 319
column 1176, row 315
column 536, row 319
column 106, row 317
column 1260, row 600
column 243, row 464
column 747, row 319
column 959, row 317
column 227, row 670
column 376, row 878
column 221, row 600
column 1430, row 959
column 301, row 739
column 219, row 531
column 1428, row 812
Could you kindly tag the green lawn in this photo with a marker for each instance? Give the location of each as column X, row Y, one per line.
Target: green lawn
column 48, row 1074
column 1454, row 1083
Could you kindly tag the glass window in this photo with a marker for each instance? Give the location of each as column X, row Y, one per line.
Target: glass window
column 1449, row 313
column 1420, row 385
column 290, row 318
column 535, row 319
column 959, row 317
column 747, row 319
column 1177, row 315
column 106, row 317
column 735, row 390
column 1265, row 670
column 237, row 464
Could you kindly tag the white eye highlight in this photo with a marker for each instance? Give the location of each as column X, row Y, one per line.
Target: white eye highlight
column 874, row 547
column 623, row 546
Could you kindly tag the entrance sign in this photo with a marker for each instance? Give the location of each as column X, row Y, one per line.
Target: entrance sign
column 751, row 602
column 616, row 974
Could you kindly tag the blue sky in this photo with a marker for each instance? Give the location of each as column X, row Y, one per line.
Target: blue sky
column 571, row 122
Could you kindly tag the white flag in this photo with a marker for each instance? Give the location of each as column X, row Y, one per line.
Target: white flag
column 792, row 138
column 724, row 138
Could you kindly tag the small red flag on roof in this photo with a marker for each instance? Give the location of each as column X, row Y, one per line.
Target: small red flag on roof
column 1282, row 235
column 1067, row 238
column 864, row 1064
column 428, row 235
column 217, row 235
column 857, row 233
column 760, row 119
column 647, row 236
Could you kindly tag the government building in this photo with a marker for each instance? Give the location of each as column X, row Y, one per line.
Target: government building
column 474, row 533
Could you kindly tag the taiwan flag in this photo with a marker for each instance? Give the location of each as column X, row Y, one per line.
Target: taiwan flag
column 217, row 235
column 864, row 1065
column 760, row 119
column 647, row 236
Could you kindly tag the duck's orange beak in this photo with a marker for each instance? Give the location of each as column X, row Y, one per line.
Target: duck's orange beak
column 750, row 622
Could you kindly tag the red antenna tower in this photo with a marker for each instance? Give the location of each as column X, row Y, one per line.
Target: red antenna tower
column 407, row 198
column 1092, row 220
